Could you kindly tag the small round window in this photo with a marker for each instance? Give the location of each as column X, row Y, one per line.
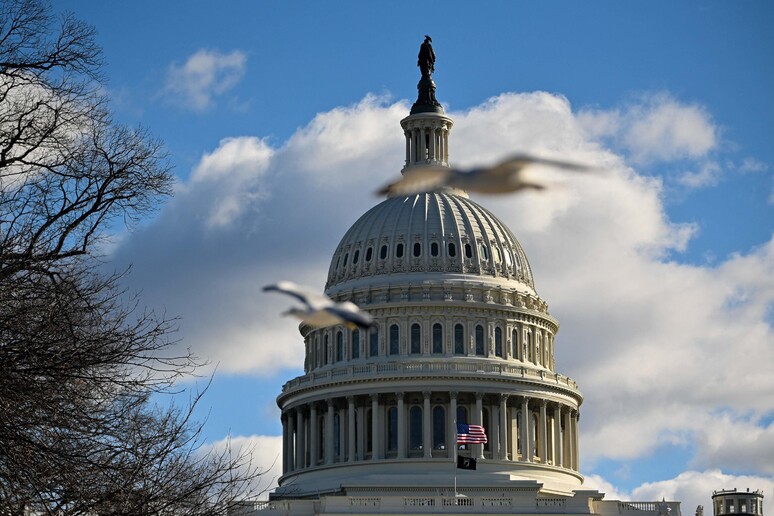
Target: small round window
column 383, row 252
column 417, row 249
column 356, row 257
column 369, row 254
column 452, row 249
column 434, row 249
column 468, row 252
column 346, row 258
column 399, row 251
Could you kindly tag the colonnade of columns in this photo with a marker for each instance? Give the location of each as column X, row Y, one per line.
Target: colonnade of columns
column 427, row 141
column 423, row 425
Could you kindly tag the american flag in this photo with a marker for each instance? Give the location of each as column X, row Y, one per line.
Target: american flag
column 470, row 434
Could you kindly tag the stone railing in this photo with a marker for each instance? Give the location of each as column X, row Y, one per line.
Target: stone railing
column 429, row 368
column 460, row 504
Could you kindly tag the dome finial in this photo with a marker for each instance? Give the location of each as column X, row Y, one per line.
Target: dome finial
column 426, row 102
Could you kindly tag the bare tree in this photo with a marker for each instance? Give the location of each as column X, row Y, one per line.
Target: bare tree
column 79, row 430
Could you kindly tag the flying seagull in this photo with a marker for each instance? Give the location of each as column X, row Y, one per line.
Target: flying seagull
column 319, row 310
column 504, row 177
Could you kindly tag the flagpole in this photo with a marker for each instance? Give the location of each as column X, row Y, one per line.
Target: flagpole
column 454, row 460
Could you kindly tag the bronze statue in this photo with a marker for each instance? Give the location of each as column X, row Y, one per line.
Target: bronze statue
column 426, row 102
column 426, row 61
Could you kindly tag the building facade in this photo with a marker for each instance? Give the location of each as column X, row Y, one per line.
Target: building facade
column 461, row 336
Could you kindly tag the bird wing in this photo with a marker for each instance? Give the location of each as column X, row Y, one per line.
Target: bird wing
column 418, row 179
column 307, row 296
column 350, row 312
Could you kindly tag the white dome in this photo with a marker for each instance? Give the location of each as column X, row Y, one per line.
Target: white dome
column 429, row 236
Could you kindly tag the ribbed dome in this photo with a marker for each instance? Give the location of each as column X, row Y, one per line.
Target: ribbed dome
column 429, row 236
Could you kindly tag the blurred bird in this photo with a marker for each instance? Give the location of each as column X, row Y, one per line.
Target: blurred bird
column 504, row 177
column 319, row 310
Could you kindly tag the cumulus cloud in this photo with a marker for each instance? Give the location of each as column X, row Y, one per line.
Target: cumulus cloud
column 265, row 453
column 654, row 128
column 205, row 75
column 659, row 348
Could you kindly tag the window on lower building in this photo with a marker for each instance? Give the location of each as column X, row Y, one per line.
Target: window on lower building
column 392, row 429
column 374, row 342
column 416, row 339
column 339, row 346
column 437, row 339
column 480, row 340
column 459, row 339
column 415, row 428
column 355, row 353
column 439, row 428
column 394, row 340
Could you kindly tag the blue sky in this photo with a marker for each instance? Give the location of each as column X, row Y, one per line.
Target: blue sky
column 272, row 109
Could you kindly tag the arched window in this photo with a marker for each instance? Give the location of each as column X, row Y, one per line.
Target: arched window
column 339, row 346
column 459, row 339
column 530, row 352
column 394, row 340
column 439, row 428
column 415, row 428
column 355, row 344
column 369, row 254
column 374, row 342
column 499, row 342
column 417, row 249
column 326, row 350
column 399, row 251
column 462, row 414
column 355, row 256
column 468, row 251
column 437, row 339
column 452, row 249
column 392, row 429
column 480, row 340
column 383, row 252
column 515, row 343
column 416, row 339
column 538, row 354
column 434, row 249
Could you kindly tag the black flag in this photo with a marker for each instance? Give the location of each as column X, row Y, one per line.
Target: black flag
column 466, row 463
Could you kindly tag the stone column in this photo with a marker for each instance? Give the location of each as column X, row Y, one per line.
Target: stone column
column 479, row 448
column 300, row 440
column 576, row 454
column 503, row 427
column 285, row 441
column 291, row 441
column 543, row 443
column 401, row 426
column 526, row 446
column 427, row 444
column 567, row 441
column 342, row 435
column 314, row 450
column 329, row 433
column 494, row 434
column 361, row 434
column 557, row 435
column 376, row 450
column 351, row 428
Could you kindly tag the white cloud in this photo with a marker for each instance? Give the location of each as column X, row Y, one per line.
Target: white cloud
column 659, row 348
column 654, row 128
column 265, row 454
column 694, row 488
column 205, row 74
column 708, row 174
column 752, row 165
